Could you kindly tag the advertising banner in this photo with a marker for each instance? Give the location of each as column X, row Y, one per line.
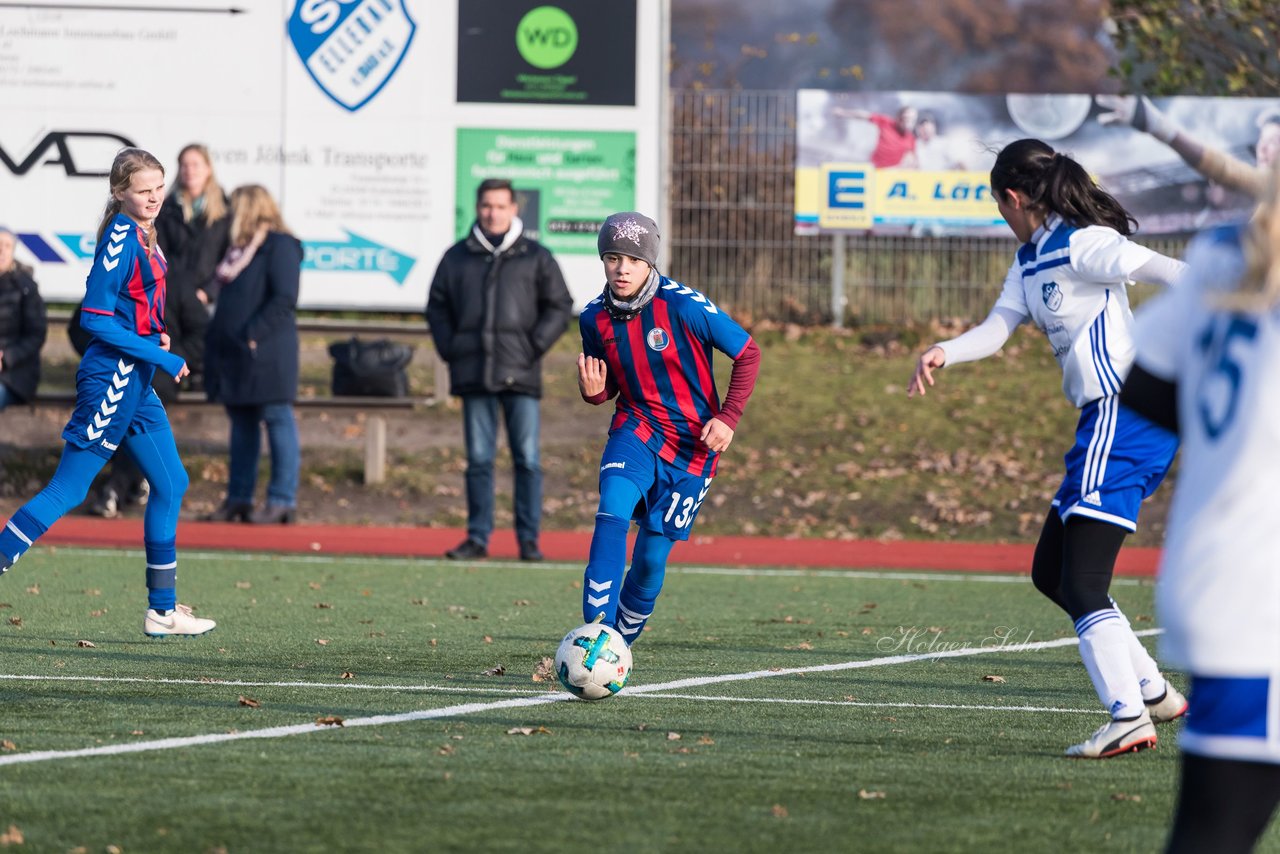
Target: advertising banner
column 919, row 162
column 572, row 52
column 569, row 182
column 345, row 110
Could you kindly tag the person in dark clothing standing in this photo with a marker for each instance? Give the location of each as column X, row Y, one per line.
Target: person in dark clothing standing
column 498, row 302
column 193, row 230
column 251, row 356
column 23, row 327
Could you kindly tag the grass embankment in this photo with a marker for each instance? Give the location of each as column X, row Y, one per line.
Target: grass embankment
column 830, row 447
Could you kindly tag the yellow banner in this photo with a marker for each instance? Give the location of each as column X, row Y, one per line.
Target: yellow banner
column 857, row 196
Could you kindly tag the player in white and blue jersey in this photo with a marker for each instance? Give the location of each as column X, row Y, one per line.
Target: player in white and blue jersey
column 1208, row 367
column 1069, row 278
column 123, row 312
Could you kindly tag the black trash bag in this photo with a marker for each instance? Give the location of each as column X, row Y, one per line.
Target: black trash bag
column 370, row 368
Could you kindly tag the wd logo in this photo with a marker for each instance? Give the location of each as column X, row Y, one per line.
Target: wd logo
column 847, row 190
column 547, row 37
column 70, row 149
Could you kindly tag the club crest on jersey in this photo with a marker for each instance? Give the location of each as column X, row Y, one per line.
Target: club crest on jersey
column 657, row 339
column 1052, row 295
column 351, row 48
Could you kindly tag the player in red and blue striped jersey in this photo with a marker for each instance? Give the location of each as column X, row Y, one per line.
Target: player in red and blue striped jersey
column 648, row 341
column 123, row 312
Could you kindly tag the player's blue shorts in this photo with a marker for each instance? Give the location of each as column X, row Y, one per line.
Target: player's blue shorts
column 113, row 399
column 1233, row 717
column 1119, row 459
column 671, row 497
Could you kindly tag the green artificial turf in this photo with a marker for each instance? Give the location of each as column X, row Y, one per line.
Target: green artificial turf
column 911, row 752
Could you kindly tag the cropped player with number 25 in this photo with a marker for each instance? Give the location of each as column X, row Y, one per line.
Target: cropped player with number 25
column 648, row 340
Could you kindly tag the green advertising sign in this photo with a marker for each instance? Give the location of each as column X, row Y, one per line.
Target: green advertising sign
column 566, row 182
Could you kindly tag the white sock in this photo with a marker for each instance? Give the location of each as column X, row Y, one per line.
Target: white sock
column 1104, row 647
column 1144, row 666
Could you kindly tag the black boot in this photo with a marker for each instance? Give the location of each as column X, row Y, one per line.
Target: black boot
column 230, row 511
column 274, row 514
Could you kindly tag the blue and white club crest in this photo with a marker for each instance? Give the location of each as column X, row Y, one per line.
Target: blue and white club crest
column 657, row 339
column 351, row 48
column 1052, row 295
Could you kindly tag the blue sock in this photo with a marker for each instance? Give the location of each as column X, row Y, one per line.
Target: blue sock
column 17, row 536
column 67, row 488
column 605, row 565
column 162, row 576
column 643, row 584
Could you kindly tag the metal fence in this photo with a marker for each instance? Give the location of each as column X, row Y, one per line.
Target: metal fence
column 732, row 231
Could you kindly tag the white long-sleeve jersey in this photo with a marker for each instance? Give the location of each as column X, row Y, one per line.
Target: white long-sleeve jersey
column 1218, row 594
column 1072, row 284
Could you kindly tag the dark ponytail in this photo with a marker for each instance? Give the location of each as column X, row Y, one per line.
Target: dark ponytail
column 1053, row 182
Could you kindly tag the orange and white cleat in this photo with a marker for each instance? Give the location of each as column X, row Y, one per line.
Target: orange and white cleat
column 1117, row 737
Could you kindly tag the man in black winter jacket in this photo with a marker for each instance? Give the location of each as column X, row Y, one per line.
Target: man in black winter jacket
column 498, row 302
column 23, row 327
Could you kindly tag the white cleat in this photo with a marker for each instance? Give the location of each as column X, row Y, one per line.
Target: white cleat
column 1169, row 706
column 180, row 621
column 1117, row 737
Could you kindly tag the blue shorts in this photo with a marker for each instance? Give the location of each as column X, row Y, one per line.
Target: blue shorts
column 113, row 399
column 1233, row 717
column 1119, row 459
column 670, row 496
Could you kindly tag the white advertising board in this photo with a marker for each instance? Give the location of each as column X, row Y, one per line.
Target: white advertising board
column 349, row 111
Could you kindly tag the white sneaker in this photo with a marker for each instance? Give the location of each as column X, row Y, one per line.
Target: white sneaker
column 1169, row 706
column 1117, row 737
column 180, row 621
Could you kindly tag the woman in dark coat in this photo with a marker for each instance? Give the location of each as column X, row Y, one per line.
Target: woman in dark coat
column 251, row 356
column 193, row 230
column 22, row 327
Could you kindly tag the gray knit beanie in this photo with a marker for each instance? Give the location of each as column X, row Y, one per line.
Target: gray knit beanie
column 632, row 234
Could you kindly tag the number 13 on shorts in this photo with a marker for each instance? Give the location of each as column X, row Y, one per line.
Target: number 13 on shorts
column 682, row 503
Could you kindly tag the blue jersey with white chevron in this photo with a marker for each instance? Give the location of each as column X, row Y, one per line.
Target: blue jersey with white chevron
column 127, row 281
column 1072, row 284
column 660, row 361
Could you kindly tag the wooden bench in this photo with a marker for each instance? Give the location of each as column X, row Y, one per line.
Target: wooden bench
column 375, row 408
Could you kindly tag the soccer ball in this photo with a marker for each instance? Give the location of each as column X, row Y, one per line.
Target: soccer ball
column 593, row 662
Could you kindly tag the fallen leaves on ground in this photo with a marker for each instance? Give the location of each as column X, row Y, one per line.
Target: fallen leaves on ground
column 528, row 730
column 545, row 671
column 496, row 670
column 6, row 744
column 329, row 720
column 12, row 836
column 870, row 796
column 347, row 674
column 250, row 702
column 673, row 736
column 84, row 644
column 993, row 678
column 779, row 811
column 1121, row 796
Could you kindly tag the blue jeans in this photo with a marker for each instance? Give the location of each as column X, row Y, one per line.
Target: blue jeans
column 480, row 426
column 246, row 447
column 6, row 396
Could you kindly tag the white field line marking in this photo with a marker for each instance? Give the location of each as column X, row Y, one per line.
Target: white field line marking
column 468, row 689
column 521, row 702
column 238, row 683
column 862, row 704
column 742, row 571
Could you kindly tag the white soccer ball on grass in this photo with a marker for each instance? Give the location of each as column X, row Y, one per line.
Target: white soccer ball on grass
column 593, row 662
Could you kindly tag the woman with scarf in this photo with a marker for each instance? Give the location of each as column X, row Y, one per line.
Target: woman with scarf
column 251, row 357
